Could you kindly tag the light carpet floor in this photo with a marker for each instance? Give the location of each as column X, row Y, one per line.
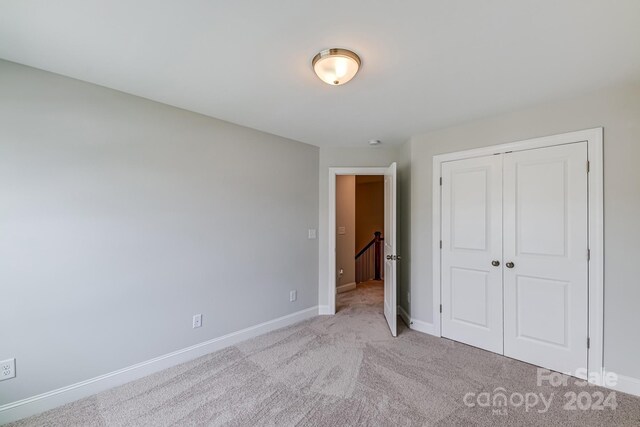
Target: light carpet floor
column 343, row 370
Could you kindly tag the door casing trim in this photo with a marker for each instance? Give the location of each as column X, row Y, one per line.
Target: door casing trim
column 594, row 138
column 331, row 229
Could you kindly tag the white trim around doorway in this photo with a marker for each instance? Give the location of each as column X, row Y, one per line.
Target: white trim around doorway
column 594, row 139
column 331, row 229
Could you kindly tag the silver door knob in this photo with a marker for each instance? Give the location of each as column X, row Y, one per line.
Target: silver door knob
column 495, row 263
column 510, row 264
column 398, row 258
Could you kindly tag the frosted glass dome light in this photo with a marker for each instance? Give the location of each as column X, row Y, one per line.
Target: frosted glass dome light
column 336, row 66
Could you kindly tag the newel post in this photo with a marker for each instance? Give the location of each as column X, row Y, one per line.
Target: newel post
column 378, row 251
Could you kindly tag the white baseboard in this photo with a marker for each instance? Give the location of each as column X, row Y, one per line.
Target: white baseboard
column 345, row 288
column 417, row 325
column 425, row 327
column 404, row 316
column 324, row 310
column 33, row 405
column 627, row 385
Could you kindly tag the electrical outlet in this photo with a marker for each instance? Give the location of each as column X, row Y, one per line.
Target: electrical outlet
column 197, row 321
column 293, row 295
column 7, row 369
column 312, row 233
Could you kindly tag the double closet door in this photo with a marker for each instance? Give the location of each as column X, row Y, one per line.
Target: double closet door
column 514, row 254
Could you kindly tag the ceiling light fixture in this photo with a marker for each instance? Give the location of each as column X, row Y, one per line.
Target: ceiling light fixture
column 375, row 142
column 336, row 66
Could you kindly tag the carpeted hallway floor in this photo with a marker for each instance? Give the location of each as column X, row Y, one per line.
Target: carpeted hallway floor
column 343, row 370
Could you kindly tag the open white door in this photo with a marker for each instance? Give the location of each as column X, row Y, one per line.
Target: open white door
column 390, row 257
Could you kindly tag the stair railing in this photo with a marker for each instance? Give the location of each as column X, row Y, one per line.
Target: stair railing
column 369, row 260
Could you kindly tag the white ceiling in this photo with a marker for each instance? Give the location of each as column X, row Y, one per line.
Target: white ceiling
column 426, row 63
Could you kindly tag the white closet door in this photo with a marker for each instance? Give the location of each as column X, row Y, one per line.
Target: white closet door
column 471, row 242
column 545, row 254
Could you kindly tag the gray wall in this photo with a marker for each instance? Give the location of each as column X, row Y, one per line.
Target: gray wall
column 618, row 111
column 345, row 217
column 120, row 218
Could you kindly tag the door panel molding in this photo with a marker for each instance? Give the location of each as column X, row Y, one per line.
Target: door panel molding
column 594, row 139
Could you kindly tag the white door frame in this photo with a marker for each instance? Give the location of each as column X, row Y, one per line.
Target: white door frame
column 594, row 139
column 331, row 229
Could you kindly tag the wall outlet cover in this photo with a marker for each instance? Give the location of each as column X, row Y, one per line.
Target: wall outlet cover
column 293, row 295
column 7, row 369
column 197, row 320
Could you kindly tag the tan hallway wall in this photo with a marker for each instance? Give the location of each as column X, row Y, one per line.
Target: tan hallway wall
column 369, row 208
column 345, row 229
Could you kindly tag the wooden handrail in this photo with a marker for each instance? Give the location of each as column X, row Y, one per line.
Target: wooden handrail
column 368, row 245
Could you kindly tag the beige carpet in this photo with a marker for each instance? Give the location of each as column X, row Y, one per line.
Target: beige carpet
column 340, row 370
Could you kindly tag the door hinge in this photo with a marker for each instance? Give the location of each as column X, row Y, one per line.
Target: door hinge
column 440, row 180
column 588, row 342
column 588, row 166
column 440, row 244
column 440, row 308
column 588, row 254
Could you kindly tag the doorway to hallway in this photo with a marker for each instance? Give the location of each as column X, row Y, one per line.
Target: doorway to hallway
column 359, row 230
column 377, row 249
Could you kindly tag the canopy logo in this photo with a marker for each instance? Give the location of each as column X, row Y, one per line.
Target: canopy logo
column 499, row 400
